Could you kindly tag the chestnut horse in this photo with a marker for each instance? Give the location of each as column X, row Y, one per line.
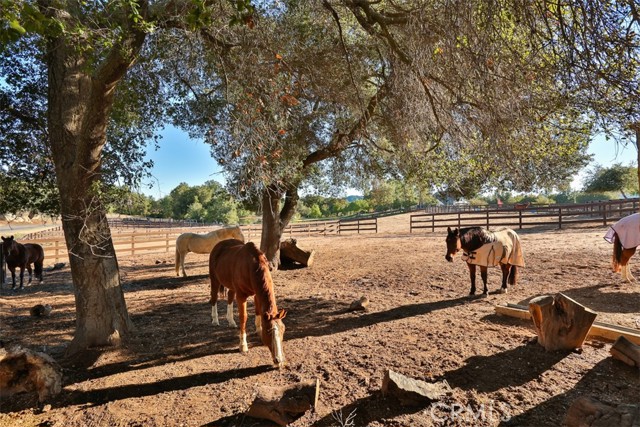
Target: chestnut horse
column 487, row 248
column 625, row 236
column 244, row 270
column 202, row 243
column 19, row 255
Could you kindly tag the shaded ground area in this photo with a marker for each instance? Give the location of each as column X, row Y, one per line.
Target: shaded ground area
column 179, row 370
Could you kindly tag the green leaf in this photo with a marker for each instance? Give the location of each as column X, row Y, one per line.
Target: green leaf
column 15, row 25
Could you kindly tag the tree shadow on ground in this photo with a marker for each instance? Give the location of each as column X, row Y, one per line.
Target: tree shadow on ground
column 363, row 412
column 509, row 368
column 609, row 381
column 314, row 317
column 599, row 299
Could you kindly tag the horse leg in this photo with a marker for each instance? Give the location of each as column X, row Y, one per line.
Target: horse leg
column 624, row 261
column 30, row 273
column 21, row 277
column 505, row 274
column 215, row 288
column 472, row 275
column 13, row 277
column 483, row 275
column 242, row 316
column 182, row 257
column 230, row 297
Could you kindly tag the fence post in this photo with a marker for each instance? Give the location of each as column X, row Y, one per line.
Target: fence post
column 459, row 224
column 520, row 220
column 487, row 219
column 56, row 247
column 167, row 242
column 604, row 216
column 133, row 245
column 560, row 218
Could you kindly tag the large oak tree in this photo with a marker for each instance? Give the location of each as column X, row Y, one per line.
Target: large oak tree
column 86, row 50
column 451, row 95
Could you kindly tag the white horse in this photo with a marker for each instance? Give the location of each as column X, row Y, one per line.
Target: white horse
column 202, row 243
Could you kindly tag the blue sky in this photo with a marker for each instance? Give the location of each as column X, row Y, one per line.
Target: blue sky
column 181, row 159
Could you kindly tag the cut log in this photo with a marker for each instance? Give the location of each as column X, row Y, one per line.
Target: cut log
column 290, row 253
column 24, row 370
column 625, row 350
column 602, row 330
column 588, row 412
column 283, row 405
column 410, row 391
column 561, row 323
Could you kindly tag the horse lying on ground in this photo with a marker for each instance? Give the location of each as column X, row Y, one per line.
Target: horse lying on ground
column 202, row 243
column 625, row 236
column 244, row 270
column 19, row 255
column 486, row 248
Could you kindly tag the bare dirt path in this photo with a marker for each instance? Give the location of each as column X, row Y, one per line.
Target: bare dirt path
column 179, row 370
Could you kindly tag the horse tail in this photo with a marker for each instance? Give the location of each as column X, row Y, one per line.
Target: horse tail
column 617, row 254
column 513, row 275
column 177, row 261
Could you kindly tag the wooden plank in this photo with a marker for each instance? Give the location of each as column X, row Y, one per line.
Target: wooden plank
column 598, row 329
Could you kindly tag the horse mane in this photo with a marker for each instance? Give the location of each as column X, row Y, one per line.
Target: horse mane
column 262, row 276
column 472, row 238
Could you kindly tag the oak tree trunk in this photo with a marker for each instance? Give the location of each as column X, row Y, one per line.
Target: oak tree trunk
column 80, row 97
column 276, row 219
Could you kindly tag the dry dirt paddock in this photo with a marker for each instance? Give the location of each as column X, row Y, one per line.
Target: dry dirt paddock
column 179, row 370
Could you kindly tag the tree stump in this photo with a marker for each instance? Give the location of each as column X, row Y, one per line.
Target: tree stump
column 283, row 405
column 290, row 253
column 625, row 350
column 588, row 412
column 561, row 323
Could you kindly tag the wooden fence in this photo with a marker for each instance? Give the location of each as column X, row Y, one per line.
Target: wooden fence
column 151, row 240
column 556, row 216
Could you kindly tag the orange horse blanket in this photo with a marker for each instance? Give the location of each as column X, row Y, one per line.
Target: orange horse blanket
column 505, row 249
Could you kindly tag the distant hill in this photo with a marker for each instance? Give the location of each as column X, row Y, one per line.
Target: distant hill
column 352, row 198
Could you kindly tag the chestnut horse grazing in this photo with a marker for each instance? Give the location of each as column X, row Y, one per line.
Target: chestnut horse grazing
column 487, row 248
column 625, row 236
column 202, row 243
column 244, row 270
column 19, row 255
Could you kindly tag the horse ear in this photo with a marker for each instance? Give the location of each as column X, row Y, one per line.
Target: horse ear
column 456, row 231
column 281, row 314
column 449, row 230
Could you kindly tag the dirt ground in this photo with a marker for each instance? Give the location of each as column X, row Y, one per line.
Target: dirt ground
column 179, row 370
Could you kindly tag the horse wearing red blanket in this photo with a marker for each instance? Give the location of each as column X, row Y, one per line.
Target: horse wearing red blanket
column 244, row 271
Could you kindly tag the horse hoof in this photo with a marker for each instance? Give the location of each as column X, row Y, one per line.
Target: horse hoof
column 503, row 290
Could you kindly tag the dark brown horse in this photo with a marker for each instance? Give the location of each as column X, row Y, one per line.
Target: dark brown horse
column 244, row 271
column 19, row 255
column 485, row 248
